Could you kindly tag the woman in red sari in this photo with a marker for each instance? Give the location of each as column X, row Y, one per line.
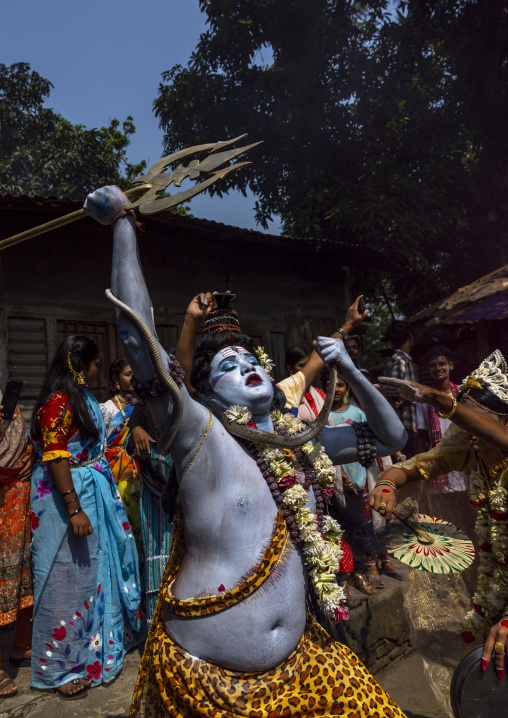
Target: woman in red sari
column 15, row 574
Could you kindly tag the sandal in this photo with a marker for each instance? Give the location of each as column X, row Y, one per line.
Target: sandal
column 72, row 696
column 387, row 567
column 5, row 682
column 20, row 662
column 374, row 578
column 360, row 582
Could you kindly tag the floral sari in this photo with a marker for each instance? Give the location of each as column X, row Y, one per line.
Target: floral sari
column 15, row 573
column 86, row 589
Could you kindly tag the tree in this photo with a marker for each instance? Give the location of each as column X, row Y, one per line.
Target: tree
column 41, row 153
column 383, row 127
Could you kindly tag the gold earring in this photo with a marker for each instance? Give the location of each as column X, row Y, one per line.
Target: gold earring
column 117, row 386
column 346, row 398
column 79, row 377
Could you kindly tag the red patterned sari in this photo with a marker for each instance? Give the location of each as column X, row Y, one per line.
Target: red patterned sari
column 15, row 572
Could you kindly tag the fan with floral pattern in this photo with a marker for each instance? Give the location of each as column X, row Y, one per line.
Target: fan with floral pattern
column 429, row 544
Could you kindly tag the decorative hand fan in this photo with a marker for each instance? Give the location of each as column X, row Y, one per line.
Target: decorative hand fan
column 426, row 543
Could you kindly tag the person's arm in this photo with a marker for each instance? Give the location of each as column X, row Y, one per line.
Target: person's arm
column 56, row 427
column 315, row 364
column 128, row 285
column 386, row 494
column 196, row 312
column 340, row 443
column 478, row 423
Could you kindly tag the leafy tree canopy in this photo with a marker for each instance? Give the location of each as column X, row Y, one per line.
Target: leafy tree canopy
column 384, row 124
column 42, row 153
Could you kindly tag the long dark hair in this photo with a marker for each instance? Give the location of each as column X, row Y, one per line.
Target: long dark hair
column 81, row 351
column 114, row 370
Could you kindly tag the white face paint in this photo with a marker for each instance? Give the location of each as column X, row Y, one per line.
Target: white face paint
column 236, row 377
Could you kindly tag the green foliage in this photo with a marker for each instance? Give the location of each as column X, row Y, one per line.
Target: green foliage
column 384, row 125
column 42, row 153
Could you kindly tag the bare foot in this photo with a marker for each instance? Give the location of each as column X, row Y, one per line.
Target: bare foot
column 75, row 686
column 19, row 653
column 7, row 685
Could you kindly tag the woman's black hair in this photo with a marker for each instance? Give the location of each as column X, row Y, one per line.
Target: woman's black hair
column 207, row 348
column 487, row 399
column 325, row 378
column 114, row 370
column 81, row 351
column 294, row 355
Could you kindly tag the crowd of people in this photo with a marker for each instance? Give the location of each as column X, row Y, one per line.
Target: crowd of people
column 94, row 510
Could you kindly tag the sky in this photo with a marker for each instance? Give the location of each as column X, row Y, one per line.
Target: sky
column 105, row 60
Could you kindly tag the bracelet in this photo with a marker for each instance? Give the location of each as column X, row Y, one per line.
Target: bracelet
column 451, row 412
column 78, row 511
column 343, row 334
column 66, row 493
column 387, row 482
column 402, row 457
column 123, row 213
column 68, row 503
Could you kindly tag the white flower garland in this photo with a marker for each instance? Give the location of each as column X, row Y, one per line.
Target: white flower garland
column 491, row 593
column 321, row 552
column 265, row 361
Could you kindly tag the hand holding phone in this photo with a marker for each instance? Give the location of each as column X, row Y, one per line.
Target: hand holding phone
column 10, row 399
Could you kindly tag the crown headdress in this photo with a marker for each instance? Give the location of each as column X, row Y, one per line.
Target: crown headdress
column 223, row 318
column 492, row 376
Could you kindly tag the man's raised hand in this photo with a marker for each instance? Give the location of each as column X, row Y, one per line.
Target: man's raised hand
column 333, row 351
column 105, row 204
column 200, row 306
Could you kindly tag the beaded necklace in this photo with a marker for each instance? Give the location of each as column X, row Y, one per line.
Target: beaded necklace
column 317, row 535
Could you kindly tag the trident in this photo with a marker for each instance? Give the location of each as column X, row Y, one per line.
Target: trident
column 156, row 180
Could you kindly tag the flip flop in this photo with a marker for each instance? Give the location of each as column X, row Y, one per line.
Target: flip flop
column 5, row 682
column 389, row 569
column 72, row 696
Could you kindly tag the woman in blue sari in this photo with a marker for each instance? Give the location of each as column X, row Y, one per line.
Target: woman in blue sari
column 84, row 558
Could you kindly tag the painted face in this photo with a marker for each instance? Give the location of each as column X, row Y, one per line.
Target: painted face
column 475, row 442
column 236, row 377
column 439, row 368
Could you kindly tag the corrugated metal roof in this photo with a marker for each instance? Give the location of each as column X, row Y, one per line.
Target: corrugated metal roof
column 485, row 298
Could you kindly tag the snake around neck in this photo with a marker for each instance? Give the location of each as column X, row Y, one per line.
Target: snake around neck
column 243, row 432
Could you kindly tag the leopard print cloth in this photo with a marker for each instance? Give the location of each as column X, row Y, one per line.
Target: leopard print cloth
column 246, row 586
column 320, row 678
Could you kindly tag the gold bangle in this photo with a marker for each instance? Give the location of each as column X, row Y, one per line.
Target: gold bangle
column 451, row 412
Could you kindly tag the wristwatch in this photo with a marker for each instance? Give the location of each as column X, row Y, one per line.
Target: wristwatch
column 343, row 334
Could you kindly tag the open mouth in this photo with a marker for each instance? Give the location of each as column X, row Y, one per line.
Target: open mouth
column 253, row 379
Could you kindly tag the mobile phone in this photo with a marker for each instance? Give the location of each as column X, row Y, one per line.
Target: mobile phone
column 361, row 306
column 10, row 398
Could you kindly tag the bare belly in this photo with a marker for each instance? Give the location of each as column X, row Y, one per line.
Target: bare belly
column 254, row 635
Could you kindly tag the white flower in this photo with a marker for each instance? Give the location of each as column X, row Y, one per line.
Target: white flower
column 49, row 653
column 291, row 424
column 62, row 623
column 238, row 414
column 95, row 642
column 265, row 360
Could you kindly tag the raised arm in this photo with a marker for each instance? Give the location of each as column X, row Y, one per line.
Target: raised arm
column 315, row 364
column 340, row 442
column 129, row 286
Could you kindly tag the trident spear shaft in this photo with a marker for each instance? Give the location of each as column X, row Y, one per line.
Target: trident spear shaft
column 156, row 180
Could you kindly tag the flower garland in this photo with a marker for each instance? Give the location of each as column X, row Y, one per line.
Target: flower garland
column 265, row 361
column 318, row 536
column 490, row 599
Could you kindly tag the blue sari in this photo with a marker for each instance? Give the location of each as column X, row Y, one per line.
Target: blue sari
column 86, row 589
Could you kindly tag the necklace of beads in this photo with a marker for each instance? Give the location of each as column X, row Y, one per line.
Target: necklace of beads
column 316, row 534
